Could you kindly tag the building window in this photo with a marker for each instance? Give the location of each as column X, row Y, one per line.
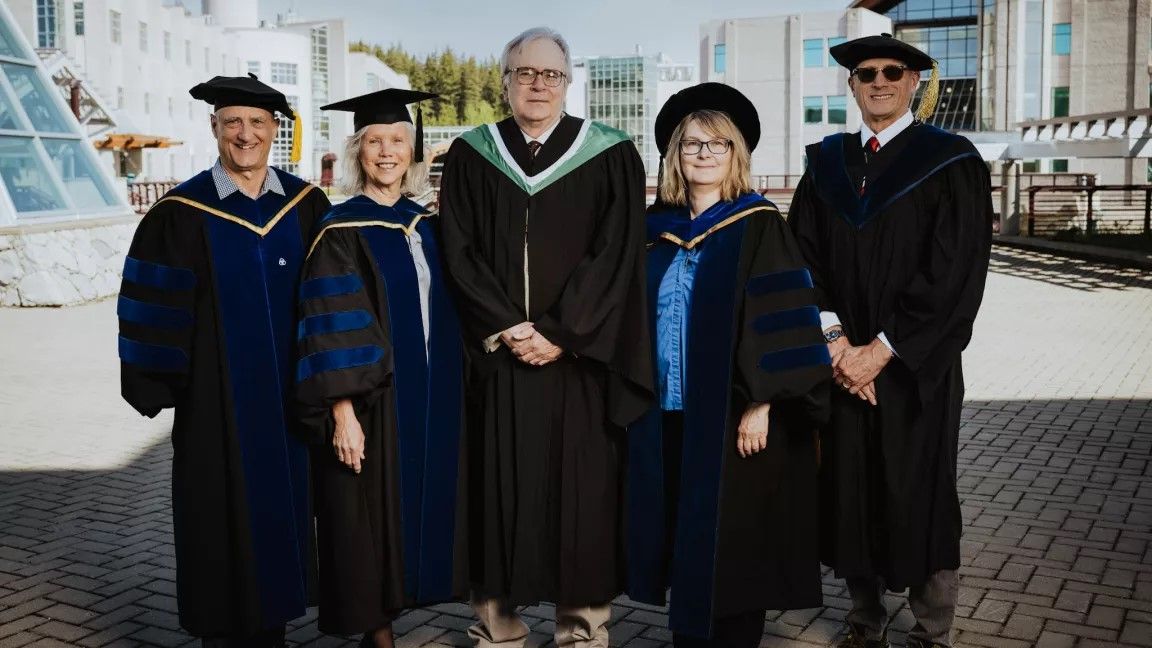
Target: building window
column 283, row 72
column 838, row 109
column 1030, row 166
column 254, row 67
column 832, row 42
column 1059, row 166
column 143, row 36
column 188, row 52
column 114, row 26
column 282, row 146
column 813, row 52
column 147, row 103
column 813, row 110
column 1062, row 39
column 46, row 23
column 167, row 46
column 718, row 56
column 1060, row 101
column 78, row 16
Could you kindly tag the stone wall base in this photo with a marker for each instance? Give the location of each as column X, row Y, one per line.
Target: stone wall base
column 60, row 264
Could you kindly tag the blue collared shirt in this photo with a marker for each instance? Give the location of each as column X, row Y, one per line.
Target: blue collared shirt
column 225, row 186
column 673, row 307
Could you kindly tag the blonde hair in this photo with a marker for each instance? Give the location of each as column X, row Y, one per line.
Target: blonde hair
column 673, row 187
column 414, row 182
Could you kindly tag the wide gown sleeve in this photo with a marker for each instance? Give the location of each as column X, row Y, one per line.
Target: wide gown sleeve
column 780, row 349
column 157, row 310
column 931, row 321
column 342, row 350
column 811, row 237
column 602, row 314
column 484, row 307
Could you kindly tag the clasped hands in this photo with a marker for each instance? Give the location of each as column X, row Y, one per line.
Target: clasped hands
column 854, row 368
column 529, row 346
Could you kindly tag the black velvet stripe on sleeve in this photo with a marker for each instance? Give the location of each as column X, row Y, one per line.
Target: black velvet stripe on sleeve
column 781, row 351
column 342, row 350
column 157, row 311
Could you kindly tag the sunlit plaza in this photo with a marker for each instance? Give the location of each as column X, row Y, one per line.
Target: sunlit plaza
column 1055, row 453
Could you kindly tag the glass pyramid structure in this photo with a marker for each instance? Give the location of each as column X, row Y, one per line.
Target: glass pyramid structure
column 48, row 169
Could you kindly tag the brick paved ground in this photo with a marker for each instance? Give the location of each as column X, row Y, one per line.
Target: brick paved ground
column 1055, row 483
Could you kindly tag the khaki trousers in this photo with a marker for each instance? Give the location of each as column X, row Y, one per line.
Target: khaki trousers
column 500, row 626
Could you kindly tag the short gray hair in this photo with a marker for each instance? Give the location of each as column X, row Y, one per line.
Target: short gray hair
column 535, row 34
column 414, row 182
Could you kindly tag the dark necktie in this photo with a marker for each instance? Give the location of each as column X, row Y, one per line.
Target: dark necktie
column 534, row 148
column 873, row 145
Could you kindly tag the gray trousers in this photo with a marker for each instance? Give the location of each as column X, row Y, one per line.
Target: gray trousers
column 933, row 603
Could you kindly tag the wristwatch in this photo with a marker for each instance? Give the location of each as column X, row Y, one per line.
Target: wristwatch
column 833, row 335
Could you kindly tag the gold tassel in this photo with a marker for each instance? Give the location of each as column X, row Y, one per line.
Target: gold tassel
column 931, row 95
column 297, row 140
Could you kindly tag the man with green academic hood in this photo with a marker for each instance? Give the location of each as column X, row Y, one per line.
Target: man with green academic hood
column 543, row 237
column 895, row 222
column 208, row 327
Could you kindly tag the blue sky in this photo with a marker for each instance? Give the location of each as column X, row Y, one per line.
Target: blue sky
column 592, row 27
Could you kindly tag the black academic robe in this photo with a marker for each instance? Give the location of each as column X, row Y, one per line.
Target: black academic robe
column 908, row 258
column 731, row 534
column 394, row 535
column 207, row 326
column 557, row 241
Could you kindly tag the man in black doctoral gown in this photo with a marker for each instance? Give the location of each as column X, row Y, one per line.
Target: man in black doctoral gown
column 895, row 222
column 543, row 236
column 207, row 326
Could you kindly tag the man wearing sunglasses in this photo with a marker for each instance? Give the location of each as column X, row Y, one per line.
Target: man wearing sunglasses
column 543, row 235
column 895, row 222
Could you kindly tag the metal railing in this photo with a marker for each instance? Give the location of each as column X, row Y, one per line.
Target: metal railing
column 142, row 195
column 1091, row 209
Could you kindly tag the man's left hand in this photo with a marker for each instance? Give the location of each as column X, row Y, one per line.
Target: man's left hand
column 537, row 350
column 858, row 366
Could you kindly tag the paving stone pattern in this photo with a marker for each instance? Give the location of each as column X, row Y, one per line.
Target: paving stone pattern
column 1054, row 479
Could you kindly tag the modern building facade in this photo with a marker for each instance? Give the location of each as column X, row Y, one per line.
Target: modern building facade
column 1002, row 62
column 140, row 57
column 781, row 63
column 95, row 92
column 626, row 92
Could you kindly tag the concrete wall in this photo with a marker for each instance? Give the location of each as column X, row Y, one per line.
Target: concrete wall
column 63, row 264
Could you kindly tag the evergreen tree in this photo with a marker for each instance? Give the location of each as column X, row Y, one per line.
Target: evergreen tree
column 470, row 91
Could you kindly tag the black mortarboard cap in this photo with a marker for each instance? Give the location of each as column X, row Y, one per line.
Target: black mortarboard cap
column 708, row 96
column 387, row 106
column 851, row 53
column 222, row 91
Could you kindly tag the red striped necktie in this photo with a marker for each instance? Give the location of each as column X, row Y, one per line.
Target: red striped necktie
column 873, row 145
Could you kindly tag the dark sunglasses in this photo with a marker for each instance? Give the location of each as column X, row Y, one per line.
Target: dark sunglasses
column 868, row 74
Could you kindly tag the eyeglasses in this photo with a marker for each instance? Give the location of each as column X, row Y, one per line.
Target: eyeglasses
column 715, row 147
column 527, row 76
column 891, row 72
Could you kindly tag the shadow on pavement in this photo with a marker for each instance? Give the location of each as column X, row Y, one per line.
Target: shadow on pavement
column 1056, row 495
column 1066, row 272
